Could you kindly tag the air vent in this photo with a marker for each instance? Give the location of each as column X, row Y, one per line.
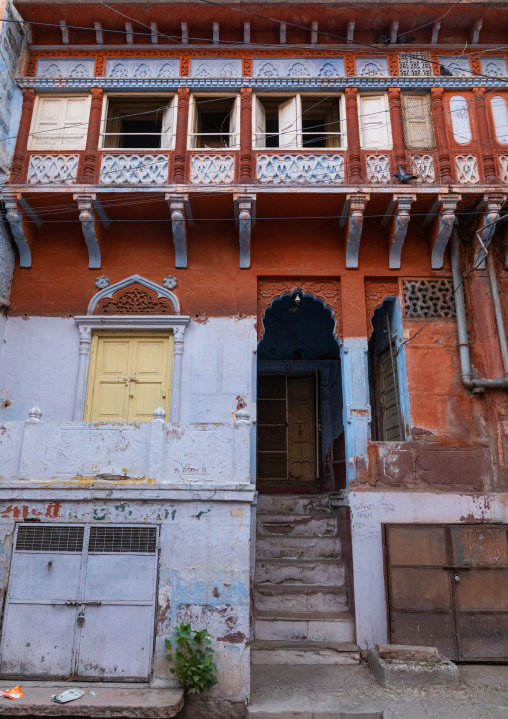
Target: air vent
column 133, row 540
column 53, row 538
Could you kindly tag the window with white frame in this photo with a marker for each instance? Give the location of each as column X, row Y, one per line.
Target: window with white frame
column 374, row 116
column 459, row 113
column 500, row 115
column 417, row 121
column 139, row 123
column 214, row 123
column 298, row 121
column 59, row 122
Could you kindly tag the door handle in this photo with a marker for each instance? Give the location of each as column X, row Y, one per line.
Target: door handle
column 81, row 617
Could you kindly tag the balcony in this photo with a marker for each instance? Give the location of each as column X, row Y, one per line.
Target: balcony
column 153, row 452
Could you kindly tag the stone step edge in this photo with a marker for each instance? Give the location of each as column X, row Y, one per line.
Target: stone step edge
column 301, row 588
column 293, row 515
column 264, row 644
column 267, row 615
column 304, row 562
column 297, row 537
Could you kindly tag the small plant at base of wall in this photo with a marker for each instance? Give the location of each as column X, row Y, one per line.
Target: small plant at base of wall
column 193, row 657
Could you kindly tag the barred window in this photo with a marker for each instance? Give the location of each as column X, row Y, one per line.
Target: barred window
column 415, row 65
column 425, row 298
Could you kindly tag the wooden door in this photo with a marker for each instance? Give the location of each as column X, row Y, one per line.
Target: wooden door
column 388, row 393
column 129, row 377
column 301, row 429
column 448, row 587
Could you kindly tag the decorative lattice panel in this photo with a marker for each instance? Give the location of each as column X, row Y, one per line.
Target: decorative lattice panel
column 426, row 298
column 415, row 65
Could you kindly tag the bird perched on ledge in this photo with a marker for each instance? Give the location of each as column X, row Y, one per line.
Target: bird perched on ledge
column 403, row 177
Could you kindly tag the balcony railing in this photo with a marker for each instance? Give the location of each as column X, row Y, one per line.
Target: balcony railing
column 150, row 451
column 118, row 167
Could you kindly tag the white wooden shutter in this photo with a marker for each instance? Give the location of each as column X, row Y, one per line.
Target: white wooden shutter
column 234, row 125
column 290, row 123
column 258, row 123
column 460, row 120
column 76, row 116
column 389, row 396
column 417, row 122
column 192, row 126
column 374, row 122
column 46, row 123
column 169, row 125
column 60, row 123
column 500, row 114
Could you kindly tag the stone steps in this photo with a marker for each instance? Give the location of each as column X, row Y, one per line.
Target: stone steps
column 300, row 597
column 280, row 652
column 297, row 547
column 293, row 504
column 278, row 625
column 319, row 524
column 326, row 572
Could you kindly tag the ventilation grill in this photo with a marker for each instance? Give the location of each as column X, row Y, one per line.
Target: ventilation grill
column 426, row 298
column 415, row 65
column 122, row 539
column 32, row 538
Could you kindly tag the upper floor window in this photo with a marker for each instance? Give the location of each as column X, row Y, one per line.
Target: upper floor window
column 500, row 114
column 417, row 121
column 460, row 120
column 214, row 122
column 59, row 123
column 374, row 115
column 139, row 123
column 299, row 121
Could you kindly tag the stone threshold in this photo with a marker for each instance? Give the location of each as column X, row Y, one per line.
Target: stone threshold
column 124, row 699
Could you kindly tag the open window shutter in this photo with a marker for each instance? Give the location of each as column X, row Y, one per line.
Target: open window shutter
column 169, row 125
column 500, row 114
column 259, row 123
column 389, row 396
column 234, row 124
column 46, row 124
column 418, row 131
column 333, row 124
column 75, row 119
column 192, row 126
column 288, row 125
column 374, row 122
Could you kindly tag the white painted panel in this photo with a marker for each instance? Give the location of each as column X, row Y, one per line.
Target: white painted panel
column 106, row 577
column 169, row 124
column 259, row 123
column 459, row 113
column 374, row 122
column 500, row 113
column 289, row 114
column 44, row 576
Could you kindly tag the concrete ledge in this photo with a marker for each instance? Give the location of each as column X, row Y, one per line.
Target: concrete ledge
column 138, row 702
column 398, row 665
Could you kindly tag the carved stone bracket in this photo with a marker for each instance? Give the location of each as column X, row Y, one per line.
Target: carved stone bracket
column 91, row 226
column 325, row 290
column 494, row 202
column 245, row 216
column 442, row 217
column 397, row 219
column 181, row 216
column 352, row 214
column 23, row 230
column 376, row 292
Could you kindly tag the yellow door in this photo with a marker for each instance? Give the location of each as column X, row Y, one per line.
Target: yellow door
column 301, row 429
column 129, row 377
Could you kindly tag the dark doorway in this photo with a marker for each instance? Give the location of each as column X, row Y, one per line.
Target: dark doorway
column 300, row 426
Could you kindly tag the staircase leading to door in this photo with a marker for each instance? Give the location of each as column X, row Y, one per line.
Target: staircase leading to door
column 301, row 613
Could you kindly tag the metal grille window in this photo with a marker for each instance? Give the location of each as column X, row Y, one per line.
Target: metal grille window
column 425, row 298
column 39, row 538
column 415, row 65
column 417, row 121
column 133, row 540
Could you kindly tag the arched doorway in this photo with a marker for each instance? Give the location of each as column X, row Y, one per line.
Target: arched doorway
column 300, row 443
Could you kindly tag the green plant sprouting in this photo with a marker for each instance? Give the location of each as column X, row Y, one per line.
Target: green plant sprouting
column 193, row 657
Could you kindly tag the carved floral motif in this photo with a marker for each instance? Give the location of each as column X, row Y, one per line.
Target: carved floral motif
column 326, row 290
column 467, row 169
column 300, row 169
column 375, row 294
column 135, row 300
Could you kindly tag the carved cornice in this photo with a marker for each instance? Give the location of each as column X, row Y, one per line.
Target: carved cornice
column 326, row 290
column 376, row 292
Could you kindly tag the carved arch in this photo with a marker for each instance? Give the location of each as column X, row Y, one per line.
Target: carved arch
column 327, row 292
column 134, row 295
column 376, row 292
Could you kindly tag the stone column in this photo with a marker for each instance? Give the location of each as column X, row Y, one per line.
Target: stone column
column 176, row 385
column 353, row 136
column 85, row 340
column 92, row 138
column 487, row 151
column 445, row 167
column 246, row 135
column 242, row 446
column 182, row 120
column 397, row 126
column 18, row 158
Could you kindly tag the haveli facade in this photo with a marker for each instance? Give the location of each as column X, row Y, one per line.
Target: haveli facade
column 221, row 290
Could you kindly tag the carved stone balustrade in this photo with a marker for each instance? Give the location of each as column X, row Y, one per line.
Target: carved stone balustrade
column 212, row 169
column 503, row 164
column 378, row 169
column 134, row 169
column 50, row 169
column 466, row 168
column 423, row 165
column 287, row 169
column 215, row 454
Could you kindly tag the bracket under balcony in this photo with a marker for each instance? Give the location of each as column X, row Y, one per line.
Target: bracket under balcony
column 245, row 217
column 181, row 216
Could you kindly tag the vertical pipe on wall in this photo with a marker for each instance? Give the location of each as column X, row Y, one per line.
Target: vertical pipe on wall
column 491, row 264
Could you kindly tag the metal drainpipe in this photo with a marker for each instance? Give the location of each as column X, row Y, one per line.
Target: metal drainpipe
column 475, row 385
